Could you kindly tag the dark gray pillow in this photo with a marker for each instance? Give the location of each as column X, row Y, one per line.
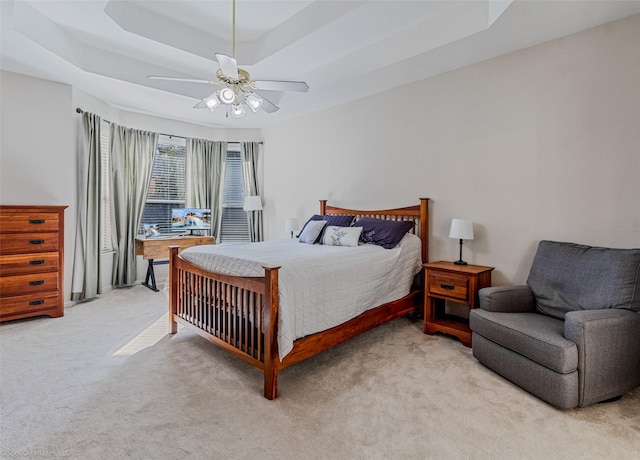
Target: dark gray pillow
column 567, row 277
column 382, row 232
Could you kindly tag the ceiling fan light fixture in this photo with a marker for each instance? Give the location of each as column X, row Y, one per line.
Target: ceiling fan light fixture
column 226, row 96
column 211, row 102
column 254, row 102
column 237, row 111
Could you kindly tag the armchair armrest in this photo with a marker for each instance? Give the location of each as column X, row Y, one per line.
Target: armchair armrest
column 507, row 299
column 608, row 343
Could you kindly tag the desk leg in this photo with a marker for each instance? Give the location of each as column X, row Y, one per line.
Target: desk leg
column 150, row 275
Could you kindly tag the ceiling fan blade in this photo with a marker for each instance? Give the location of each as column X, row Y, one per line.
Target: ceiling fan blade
column 267, row 105
column 189, row 80
column 275, row 85
column 200, row 105
column 228, row 65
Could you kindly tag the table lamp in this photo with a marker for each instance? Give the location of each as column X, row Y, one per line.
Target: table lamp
column 463, row 230
column 291, row 225
column 252, row 203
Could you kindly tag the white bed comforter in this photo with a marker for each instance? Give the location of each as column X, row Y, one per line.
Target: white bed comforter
column 319, row 286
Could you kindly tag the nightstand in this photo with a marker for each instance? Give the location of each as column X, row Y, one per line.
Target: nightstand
column 457, row 283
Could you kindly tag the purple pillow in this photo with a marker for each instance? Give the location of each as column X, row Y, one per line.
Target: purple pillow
column 385, row 233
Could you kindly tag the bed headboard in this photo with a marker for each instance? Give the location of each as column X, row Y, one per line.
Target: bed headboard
column 418, row 214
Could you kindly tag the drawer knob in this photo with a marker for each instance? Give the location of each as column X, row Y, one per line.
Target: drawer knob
column 36, row 221
column 36, row 302
column 36, row 262
column 448, row 287
column 36, row 283
column 36, row 241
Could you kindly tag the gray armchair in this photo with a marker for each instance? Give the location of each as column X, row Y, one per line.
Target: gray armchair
column 571, row 335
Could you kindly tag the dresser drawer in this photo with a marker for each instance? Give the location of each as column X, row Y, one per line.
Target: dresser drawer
column 449, row 285
column 25, row 304
column 27, row 222
column 22, row 264
column 28, row 284
column 25, row 243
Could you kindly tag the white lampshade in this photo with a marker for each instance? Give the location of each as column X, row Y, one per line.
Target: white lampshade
column 212, row 102
column 237, row 111
column 461, row 229
column 252, row 203
column 254, row 102
column 291, row 224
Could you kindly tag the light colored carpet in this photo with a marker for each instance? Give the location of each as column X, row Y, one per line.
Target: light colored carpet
column 83, row 387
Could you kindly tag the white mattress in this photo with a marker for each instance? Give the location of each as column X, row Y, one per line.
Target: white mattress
column 319, row 286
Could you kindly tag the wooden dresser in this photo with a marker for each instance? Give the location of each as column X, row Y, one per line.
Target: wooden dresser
column 31, row 261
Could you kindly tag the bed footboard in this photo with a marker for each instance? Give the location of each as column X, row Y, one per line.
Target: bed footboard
column 238, row 314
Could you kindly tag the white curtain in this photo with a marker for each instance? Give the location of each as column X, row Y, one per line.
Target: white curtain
column 86, row 282
column 204, row 164
column 249, row 155
column 132, row 153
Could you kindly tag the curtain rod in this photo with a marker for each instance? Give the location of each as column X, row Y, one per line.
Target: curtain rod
column 79, row 110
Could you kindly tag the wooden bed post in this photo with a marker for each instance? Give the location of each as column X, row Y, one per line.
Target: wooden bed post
column 424, row 228
column 323, row 207
column 173, row 289
column 271, row 357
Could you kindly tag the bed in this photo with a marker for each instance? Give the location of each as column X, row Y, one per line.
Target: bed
column 240, row 313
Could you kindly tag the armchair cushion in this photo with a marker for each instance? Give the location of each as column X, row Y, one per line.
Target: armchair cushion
column 568, row 277
column 537, row 337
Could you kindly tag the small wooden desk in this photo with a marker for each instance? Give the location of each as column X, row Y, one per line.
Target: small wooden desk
column 158, row 248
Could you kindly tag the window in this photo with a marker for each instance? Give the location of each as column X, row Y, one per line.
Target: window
column 234, row 227
column 105, row 201
column 167, row 185
column 167, row 190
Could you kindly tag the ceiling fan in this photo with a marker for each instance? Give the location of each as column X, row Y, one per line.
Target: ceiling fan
column 236, row 88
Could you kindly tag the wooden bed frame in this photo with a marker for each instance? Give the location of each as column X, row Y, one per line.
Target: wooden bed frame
column 240, row 314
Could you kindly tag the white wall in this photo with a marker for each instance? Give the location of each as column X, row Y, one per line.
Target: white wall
column 539, row 144
column 37, row 150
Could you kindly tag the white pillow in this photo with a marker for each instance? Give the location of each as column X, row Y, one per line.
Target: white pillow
column 311, row 231
column 341, row 236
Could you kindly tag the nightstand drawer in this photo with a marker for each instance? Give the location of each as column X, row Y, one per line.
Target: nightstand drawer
column 449, row 285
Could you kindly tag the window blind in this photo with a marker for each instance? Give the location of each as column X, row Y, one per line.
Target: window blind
column 167, row 184
column 234, row 227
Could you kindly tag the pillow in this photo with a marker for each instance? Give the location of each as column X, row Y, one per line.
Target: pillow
column 336, row 221
column 311, row 219
column 385, row 233
column 341, row 236
column 311, row 231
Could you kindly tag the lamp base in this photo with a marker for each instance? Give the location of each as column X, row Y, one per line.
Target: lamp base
column 460, row 262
